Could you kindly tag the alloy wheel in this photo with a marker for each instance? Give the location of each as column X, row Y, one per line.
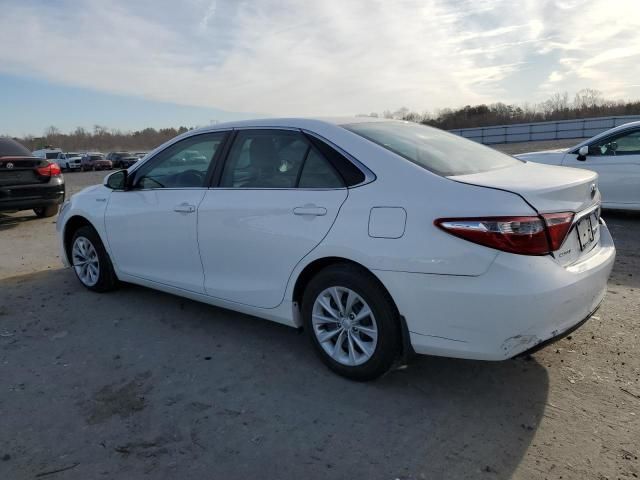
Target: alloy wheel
column 344, row 325
column 85, row 261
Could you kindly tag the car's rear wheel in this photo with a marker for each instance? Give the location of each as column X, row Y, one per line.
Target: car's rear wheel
column 352, row 322
column 48, row 211
column 91, row 261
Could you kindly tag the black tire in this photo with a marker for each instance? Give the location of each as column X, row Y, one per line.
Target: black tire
column 48, row 211
column 364, row 284
column 107, row 279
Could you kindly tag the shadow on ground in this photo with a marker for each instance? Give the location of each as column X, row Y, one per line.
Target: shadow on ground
column 140, row 382
column 8, row 221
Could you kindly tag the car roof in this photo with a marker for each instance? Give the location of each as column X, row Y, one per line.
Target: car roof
column 289, row 122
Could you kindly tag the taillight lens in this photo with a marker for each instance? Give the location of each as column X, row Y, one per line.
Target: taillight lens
column 50, row 170
column 558, row 226
column 522, row 235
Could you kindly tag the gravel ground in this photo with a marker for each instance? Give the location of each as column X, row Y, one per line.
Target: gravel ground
column 141, row 384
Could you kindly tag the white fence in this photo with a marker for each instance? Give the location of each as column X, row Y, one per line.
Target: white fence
column 530, row 132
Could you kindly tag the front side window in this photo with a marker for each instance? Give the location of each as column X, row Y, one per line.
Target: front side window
column 184, row 164
column 440, row 152
column 627, row 143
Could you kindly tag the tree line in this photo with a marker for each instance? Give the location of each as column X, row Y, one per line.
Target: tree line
column 101, row 139
column 587, row 103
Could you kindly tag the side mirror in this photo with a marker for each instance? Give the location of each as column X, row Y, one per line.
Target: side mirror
column 117, row 180
column 583, row 152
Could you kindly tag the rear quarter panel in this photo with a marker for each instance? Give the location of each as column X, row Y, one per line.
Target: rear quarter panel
column 423, row 247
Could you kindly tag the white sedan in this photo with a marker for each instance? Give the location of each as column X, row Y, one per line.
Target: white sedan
column 614, row 155
column 379, row 238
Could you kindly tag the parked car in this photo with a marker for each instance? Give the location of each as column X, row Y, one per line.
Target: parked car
column 64, row 160
column 122, row 159
column 95, row 161
column 28, row 182
column 380, row 238
column 614, row 155
column 141, row 155
column 73, row 161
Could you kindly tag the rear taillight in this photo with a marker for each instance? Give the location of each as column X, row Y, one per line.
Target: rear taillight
column 523, row 235
column 558, row 226
column 50, row 170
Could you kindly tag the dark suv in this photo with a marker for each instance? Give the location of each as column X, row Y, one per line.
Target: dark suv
column 122, row 159
column 28, row 182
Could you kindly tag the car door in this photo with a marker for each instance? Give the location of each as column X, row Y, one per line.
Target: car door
column 275, row 200
column 616, row 159
column 151, row 226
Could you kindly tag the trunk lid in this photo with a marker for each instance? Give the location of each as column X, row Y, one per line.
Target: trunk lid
column 20, row 171
column 547, row 188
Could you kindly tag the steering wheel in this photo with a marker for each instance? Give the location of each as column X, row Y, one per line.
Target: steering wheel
column 190, row 178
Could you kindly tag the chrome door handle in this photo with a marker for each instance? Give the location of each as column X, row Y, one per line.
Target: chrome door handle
column 184, row 208
column 311, row 210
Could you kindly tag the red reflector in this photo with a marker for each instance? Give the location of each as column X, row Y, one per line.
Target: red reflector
column 50, row 170
column 558, row 226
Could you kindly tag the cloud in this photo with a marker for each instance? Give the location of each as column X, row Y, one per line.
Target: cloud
column 287, row 57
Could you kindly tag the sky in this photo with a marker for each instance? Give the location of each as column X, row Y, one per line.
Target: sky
column 130, row 64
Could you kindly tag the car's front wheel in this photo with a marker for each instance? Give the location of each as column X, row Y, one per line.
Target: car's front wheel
column 352, row 322
column 91, row 261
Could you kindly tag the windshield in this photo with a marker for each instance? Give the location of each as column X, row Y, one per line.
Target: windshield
column 436, row 150
column 97, row 157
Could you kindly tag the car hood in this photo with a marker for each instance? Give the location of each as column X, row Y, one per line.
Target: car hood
column 88, row 190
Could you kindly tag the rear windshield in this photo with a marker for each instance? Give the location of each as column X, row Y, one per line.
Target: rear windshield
column 97, row 157
column 436, row 150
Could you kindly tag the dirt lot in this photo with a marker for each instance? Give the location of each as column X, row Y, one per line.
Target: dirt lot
column 140, row 384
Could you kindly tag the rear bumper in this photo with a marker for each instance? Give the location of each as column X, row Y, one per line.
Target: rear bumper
column 519, row 303
column 558, row 337
column 26, row 197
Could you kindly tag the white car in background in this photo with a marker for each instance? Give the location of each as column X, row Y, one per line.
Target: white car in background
column 380, row 238
column 66, row 161
column 73, row 161
column 614, row 155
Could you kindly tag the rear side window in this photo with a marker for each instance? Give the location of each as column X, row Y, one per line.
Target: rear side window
column 435, row 150
column 350, row 174
column 277, row 159
column 265, row 159
column 51, row 155
column 318, row 173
